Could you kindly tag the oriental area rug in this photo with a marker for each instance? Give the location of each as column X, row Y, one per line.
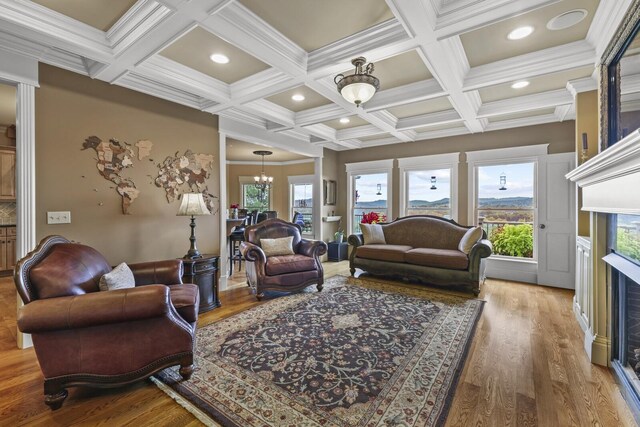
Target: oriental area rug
column 360, row 353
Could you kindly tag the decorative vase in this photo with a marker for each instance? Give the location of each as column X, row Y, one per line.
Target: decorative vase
column 234, row 213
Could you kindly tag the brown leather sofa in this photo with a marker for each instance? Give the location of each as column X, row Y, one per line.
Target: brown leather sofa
column 287, row 273
column 423, row 248
column 84, row 337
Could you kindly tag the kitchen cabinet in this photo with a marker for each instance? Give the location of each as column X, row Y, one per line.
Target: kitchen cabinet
column 7, row 174
column 7, row 249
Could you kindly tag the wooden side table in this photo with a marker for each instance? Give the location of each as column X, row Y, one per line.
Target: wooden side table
column 204, row 273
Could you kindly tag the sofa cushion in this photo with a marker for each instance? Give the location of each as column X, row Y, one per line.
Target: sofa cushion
column 391, row 253
column 185, row 299
column 469, row 239
column 443, row 258
column 284, row 264
column 372, row 234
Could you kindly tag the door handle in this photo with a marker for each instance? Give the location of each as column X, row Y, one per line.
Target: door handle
column 542, row 226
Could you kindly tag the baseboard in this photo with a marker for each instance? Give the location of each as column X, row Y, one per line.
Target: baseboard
column 599, row 350
column 576, row 311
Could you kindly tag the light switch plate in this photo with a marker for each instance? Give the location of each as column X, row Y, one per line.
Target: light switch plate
column 63, row 217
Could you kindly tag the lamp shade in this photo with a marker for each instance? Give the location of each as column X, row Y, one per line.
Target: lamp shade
column 358, row 93
column 193, row 204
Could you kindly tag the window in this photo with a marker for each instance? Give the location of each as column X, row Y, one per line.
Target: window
column 302, row 198
column 505, row 207
column 252, row 197
column 369, row 185
column 429, row 185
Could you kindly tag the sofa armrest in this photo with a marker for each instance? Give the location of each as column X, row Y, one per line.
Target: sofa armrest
column 312, row 248
column 355, row 240
column 168, row 272
column 482, row 249
column 252, row 253
column 93, row 309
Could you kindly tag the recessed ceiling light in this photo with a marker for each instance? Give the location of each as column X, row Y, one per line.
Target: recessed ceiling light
column 520, row 85
column 344, row 120
column 219, row 58
column 520, row 32
column 567, row 19
column 298, row 97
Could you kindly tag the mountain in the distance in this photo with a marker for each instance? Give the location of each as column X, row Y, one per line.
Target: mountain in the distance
column 489, row 202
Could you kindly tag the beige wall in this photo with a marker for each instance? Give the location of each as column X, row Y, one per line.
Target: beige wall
column 330, row 172
column 587, row 121
column 69, row 108
column 559, row 136
column 280, row 191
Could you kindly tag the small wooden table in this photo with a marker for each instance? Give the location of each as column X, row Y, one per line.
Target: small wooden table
column 203, row 272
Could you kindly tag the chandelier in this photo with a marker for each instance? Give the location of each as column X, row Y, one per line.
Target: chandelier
column 262, row 182
column 360, row 86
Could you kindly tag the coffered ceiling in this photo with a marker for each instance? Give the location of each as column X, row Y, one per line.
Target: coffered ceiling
column 446, row 66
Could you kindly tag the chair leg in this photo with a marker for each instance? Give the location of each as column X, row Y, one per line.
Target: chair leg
column 186, row 371
column 319, row 286
column 54, row 394
column 260, row 296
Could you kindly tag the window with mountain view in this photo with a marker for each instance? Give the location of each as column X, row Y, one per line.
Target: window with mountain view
column 370, row 195
column 505, row 207
column 302, row 198
column 428, row 192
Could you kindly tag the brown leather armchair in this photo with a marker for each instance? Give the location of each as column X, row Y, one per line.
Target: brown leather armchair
column 84, row 337
column 285, row 272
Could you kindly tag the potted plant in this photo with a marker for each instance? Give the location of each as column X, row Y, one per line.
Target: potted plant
column 338, row 236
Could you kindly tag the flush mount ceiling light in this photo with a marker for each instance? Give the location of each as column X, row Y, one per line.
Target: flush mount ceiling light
column 219, row 58
column 360, row 86
column 567, row 19
column 297, row 97
column 520, row 85
column 520, row 32
column 344, row 120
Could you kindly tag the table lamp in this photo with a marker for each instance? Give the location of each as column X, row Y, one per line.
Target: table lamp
column 193, row 204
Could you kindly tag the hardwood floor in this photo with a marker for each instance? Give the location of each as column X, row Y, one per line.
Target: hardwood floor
column 526, row 367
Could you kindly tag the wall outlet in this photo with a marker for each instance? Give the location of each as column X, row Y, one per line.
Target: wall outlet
column 59, row 217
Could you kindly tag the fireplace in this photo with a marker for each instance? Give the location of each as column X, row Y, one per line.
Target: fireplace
column 624, row 262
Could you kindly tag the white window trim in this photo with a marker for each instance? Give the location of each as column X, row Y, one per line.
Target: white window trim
column 244, row 180
column 525, row 154
column 363, row 168
column 300, row 179
column 449, row 161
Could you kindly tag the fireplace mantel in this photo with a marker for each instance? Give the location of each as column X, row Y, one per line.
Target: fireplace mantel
column 610, row 181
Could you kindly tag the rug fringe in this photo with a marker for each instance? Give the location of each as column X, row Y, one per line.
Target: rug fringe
column 201, row 416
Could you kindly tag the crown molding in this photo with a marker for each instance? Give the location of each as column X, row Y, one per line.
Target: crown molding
column 158, row 89
column 546, row 61
column 606, row 20
column 563, row 112
column 381, row 141
column 141, row 19
column 358, row 132
column 535, row 101
column 442, row 133
column 283, row 163
column 243, row 117
column 585, row 84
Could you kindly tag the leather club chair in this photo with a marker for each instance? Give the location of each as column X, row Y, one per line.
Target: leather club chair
column 84, row 337
column 287, row 273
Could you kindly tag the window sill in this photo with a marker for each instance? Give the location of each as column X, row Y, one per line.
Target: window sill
column 514, row 259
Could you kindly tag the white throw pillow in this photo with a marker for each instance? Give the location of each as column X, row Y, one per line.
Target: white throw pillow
column 275, row 247
column 120, row 277
column 469, row 239
column 372, row 234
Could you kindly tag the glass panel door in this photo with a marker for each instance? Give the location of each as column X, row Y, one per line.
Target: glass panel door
column 369, row 195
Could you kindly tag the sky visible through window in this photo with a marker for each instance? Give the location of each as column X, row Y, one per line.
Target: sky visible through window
column 420, row 185
column 519, row 181
column 367, row 187
column 303, row 195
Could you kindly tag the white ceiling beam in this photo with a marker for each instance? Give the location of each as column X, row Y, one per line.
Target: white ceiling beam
column 262, row 84
column 431, row 119
column 270, row 111
column 455, row 20
column 442, row 133
column 358, row 132
column 562, row 112
column 244, row 117
column 320, row 114
column 409, row 93
column 381, row 141
column 526, row 121
column 535, row 101
column 585, row 84
column 135, row 23
column 546, row 61
column 159, row 90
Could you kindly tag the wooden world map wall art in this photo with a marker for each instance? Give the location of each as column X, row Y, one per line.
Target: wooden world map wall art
column 177, row 174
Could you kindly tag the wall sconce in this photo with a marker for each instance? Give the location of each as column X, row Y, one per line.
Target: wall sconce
column 379, row 193
column 585, row 147
column 503, row 181
column 433, row 183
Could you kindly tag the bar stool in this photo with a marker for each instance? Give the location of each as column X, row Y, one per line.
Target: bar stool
column 235, row 238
